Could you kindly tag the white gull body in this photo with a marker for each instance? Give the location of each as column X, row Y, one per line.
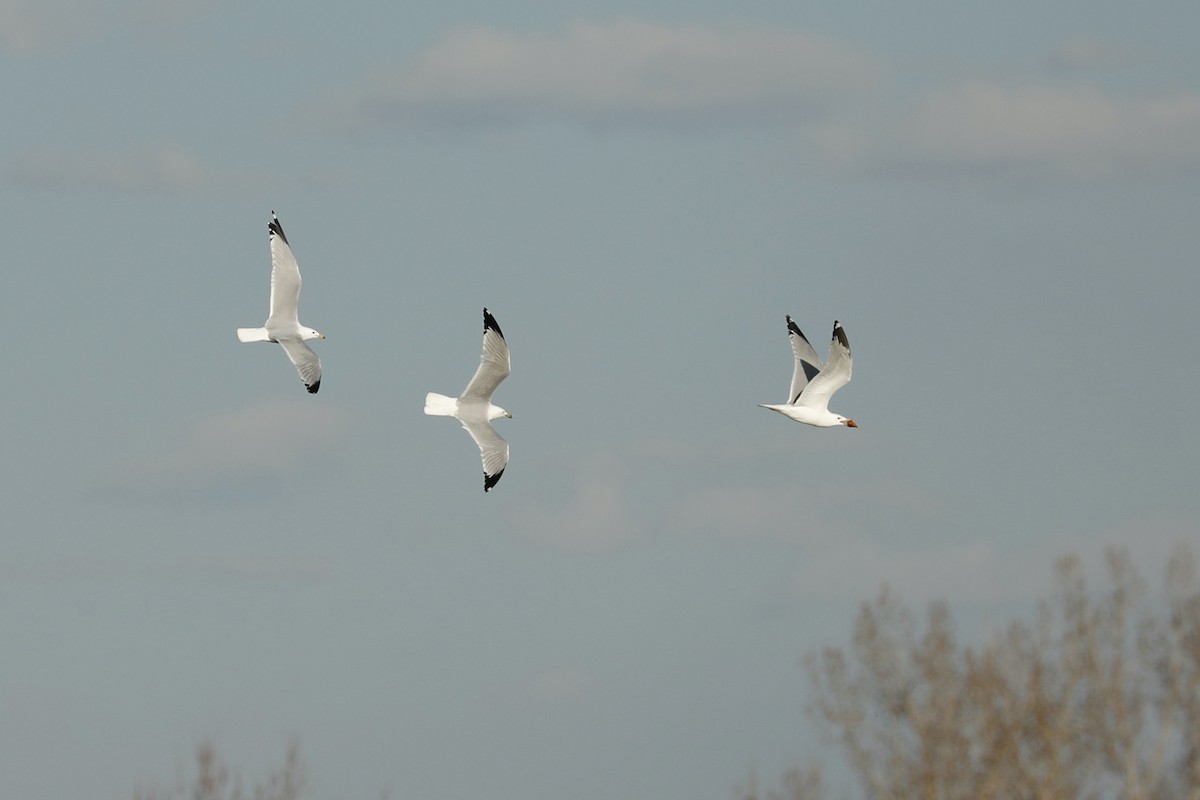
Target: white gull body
column 283, row 324
column 813, row 383
column 474, row 409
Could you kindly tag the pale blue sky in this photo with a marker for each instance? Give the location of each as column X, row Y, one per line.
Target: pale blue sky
column 998, row 203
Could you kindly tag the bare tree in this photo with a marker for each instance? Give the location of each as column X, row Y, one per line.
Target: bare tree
column 212, row 781
column 1099, row 698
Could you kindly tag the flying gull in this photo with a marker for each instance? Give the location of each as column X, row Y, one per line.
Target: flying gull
column 474, row 409
column 283, row 326
column 813, row 383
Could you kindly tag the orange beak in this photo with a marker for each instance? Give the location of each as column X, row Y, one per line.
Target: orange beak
column 851, row 423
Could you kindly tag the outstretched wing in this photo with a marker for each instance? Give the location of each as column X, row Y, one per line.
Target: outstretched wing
column 493, row 364
column 808, row 363
column 285, row 277
column 492, row 449
column 833, row 376
column 306, row 361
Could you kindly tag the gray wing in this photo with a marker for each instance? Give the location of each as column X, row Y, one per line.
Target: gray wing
column 306, row 361
column 493, row 364
column 808, row 363
column 835, row 374
column 285, row 277
column 492, row 449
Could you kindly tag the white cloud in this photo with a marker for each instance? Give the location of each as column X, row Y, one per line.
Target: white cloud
column 155, row 167
column 1080, row 53
column 848, row 539
column 32, row 28
column 971, row 572
column 636, row 72
column 979, row 572
column 1078, row 130
column 1030, row 129
column 595, row 518
column 846, row 547
column 254, row 567
column 554, row 685
column 259, row 442
column 249, row 567
column 161, row 167
column 171, row 15
column 268, row 436
column 39, row 27
column 599, row 517
column 622, row 71
column 803, row 514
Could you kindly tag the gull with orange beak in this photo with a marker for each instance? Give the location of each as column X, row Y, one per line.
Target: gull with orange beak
column 813, row 383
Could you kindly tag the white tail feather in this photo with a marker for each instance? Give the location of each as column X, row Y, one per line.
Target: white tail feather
column 438, row 405
column 253, row 335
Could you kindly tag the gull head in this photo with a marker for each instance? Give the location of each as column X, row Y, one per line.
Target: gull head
column 309, row 333
column 496, row 412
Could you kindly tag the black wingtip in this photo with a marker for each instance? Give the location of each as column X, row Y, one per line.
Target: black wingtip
column 489, row 323
column 839, row 335
column 491, row 480
column 794, row 328
column 313, row 388
column 276, row 228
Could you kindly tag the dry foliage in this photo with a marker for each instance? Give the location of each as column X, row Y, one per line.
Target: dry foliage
column 213, row 781
column 1100, row 698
